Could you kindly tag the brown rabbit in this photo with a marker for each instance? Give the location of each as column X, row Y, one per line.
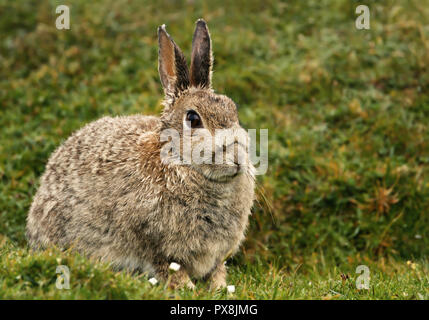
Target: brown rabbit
column 107, row 193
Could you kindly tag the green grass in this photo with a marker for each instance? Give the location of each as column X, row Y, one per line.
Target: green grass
column 26, row 275
column 348, row 118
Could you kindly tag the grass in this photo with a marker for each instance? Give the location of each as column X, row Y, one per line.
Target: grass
column 347, row 112
column 34, row 276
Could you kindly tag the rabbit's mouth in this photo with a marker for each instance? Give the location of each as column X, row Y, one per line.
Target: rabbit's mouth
column 220, row 173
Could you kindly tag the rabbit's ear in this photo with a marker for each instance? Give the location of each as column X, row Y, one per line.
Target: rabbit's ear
column 172, row 66
column 202, row 59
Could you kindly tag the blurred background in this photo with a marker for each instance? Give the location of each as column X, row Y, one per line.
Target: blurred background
column 347, row 110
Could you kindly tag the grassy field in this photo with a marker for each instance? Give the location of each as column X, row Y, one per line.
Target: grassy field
column 348, row 118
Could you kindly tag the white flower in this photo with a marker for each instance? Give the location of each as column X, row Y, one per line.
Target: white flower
column 231, row 288
column 174, row 266
column 153, row 281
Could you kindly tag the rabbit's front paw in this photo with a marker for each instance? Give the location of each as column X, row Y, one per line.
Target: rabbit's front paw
column 180, row 280
column 175, row 276
column 218, row 278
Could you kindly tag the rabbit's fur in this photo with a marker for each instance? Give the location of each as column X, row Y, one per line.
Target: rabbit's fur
column 105, row 191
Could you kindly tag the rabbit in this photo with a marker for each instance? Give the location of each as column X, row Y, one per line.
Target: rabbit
column 107, row 193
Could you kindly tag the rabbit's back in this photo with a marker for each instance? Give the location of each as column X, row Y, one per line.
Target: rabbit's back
column 84, row 183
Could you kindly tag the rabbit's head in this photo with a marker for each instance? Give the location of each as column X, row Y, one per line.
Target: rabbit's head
column 209, row 136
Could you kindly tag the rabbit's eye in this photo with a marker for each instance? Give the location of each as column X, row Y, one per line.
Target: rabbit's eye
column 194, row 119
